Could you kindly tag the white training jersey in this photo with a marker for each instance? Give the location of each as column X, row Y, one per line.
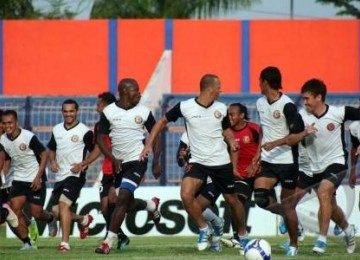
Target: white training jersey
column 354, row 128
column 327, row 145
column 126, row 130
column 204, row 126
column 274, row 126
column 70, row 148
column 24, row 152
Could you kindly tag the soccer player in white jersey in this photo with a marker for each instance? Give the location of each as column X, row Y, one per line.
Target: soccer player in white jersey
column 28, row 159
column 323, row 139
column 125, row 122
column 208, row 128
column 354, row 152
column 70, row 140
column 278, row 117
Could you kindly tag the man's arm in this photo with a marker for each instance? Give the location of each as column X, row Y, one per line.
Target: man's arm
column 355, row 145
column 39, row 151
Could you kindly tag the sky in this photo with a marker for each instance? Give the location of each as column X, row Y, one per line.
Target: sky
column 264, row 9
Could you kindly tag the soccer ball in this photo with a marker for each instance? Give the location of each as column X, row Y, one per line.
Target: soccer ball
column 257, row 249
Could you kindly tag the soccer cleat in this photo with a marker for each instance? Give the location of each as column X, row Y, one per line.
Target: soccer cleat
column 53, row 228
column 243, row 242
column 292, row 251
column 285, row 245
column 350, row 240
column 203, row 240
column 64, row 247
column 230, row 242
column 218, row 231
column 11, row 218
column 301, row 233
column 337, row 230
column 123, row 242
column 319, row 247
column 33, row 231
column 282, row 228
column 84, row 229
column 156, row 216
column 103, row 249
column 27, row 246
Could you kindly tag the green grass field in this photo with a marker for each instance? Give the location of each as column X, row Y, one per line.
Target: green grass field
column 167, row 247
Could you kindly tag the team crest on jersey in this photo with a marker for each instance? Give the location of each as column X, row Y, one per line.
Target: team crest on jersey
column 246, row 139
column 22, row 147
column 217, row 114
column 276, row 114
column 74, row 138
column 330, row 127
column 138, row 120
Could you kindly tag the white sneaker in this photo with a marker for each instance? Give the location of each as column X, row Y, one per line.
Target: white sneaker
column 28, row 247
column 203, row 240
column 350, row 240
column 11, row 219
column 230, row 242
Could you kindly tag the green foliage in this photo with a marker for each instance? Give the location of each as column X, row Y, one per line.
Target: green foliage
column 164, row 8
column 348, row 7
column 17, row 9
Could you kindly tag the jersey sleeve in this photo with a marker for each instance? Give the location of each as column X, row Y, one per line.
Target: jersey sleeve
column 226, row 122
column 2, row 149
column 52, row 143
column 89, row 140
column 150, row 122
column 352, row 113
column 104, row 125
column 36, row 145
column 293, row 118
column 354, row 141
column 173, row 114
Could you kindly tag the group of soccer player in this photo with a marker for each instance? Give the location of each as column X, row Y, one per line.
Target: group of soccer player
column 223, row 153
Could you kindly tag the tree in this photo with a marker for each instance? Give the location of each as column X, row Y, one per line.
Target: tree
column 349, row 7
column 164, row 8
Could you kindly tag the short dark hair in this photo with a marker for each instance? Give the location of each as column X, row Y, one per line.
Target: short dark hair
column 107, row 97
column 242, row 109
column 127, row 82
column 273, row 77
column 315, row 87
column 70, row 102
column 10, row 112
column 207, row 80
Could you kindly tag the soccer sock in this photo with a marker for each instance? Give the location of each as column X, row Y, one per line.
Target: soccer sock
column 245, row 236
column 205, row 228
column 51, row 218
column 210, row 216
column 26, row 240
column 150, row 205
column 322, row 238
column 234, row 228
column 111, row 236
column 348, row 230
column 85, row 220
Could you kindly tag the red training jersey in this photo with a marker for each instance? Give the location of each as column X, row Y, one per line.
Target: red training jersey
column 248, row 140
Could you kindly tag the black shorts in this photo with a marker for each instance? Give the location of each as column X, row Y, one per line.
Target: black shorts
column 70, row 187
column 21, row 188
column 286, row 174
column 222, row 176
column 4, row 195
column 335, row 173
column 107, row 182
column 210, row 192
column 132, row 173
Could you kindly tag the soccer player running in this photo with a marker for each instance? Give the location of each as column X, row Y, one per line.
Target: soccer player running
column 206, row 197
column 278, row 118
column 70, row 140
column 124, row 121
column 324, row 143
column 207, row 124
column 28, row 159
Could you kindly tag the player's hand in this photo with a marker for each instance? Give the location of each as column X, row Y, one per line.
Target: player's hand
column 268, row 146
column 76, row 168
column 253, row 169
column 117, row 165
column 311, row 129
column 145, row 153
column 36, row 184
column 156, row 170
column 237, row 175
column 54, row 167
column 234, row 146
